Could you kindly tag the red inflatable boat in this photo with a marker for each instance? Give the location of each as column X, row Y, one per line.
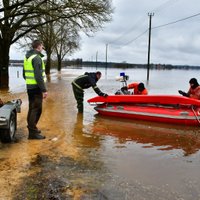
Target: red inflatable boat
column 158, row 108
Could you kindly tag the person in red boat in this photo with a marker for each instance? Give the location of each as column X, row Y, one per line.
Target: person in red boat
column 194, row 90
column 138, row 88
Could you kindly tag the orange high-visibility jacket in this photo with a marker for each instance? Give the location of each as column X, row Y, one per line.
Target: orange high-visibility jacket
column 136, row 91
column 194, row 93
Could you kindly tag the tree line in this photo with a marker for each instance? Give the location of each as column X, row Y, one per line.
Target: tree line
column 57, row 23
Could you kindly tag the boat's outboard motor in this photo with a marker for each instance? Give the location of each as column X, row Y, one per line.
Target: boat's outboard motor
column 123, row 79
column 122, row 91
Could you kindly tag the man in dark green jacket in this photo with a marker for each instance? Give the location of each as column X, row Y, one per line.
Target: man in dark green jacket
column 34, row 74
column 83, row 82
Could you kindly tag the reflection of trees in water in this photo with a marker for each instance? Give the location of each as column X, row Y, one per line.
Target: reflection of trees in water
column 162, row 136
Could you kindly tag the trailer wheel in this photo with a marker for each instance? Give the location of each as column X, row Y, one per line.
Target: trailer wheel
column 8, row 135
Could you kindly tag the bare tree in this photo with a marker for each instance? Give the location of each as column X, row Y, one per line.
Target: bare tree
column 19, row 17
column 13, row 14
column 58, row 38
column 67, row 41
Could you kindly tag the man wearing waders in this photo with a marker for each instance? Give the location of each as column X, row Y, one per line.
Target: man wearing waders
column 34, row 74
column 83, row 82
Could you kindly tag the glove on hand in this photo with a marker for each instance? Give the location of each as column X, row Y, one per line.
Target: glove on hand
column 124, row 88
column 183, row 93
column 103, row 94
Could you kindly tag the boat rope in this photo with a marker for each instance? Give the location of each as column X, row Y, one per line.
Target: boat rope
column 195, row 114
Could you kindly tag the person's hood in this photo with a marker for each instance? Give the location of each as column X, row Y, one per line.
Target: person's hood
column 194, row 82
column 32, row 52
column 141, row 87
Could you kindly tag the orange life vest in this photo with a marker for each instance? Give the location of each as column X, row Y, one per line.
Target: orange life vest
column 194, row 93
column 136, row 91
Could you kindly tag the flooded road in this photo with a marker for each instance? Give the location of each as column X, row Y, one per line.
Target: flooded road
column 94, row 157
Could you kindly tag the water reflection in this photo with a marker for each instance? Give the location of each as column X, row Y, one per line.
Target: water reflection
column 82, row 135
column 164, row 137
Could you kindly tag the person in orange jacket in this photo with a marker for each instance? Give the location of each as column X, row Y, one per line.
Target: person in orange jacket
column 194, row 90
column 138, row 88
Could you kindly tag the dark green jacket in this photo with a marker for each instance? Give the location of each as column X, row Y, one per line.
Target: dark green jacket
column 87, row 80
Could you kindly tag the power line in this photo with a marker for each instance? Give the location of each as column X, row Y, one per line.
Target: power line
column 135, row 38
column 183, row 19
column 128, row 31
column 163, row 6
column 139, row 22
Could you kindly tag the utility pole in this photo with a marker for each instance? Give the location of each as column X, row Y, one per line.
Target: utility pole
column 149, row 44
column 96, row 59
column 106, row 58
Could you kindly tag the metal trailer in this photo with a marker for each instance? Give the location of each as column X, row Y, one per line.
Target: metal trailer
column 8, row 120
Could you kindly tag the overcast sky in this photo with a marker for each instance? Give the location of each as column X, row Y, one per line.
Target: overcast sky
column 178, row 43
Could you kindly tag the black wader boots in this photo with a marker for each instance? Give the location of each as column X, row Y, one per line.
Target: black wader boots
column 79, row 95
column 35, row 134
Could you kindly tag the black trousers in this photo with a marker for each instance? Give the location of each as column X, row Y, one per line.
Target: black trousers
column 79, row 95
column 35, row 108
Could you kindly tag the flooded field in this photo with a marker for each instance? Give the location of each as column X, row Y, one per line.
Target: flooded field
column 91, row 157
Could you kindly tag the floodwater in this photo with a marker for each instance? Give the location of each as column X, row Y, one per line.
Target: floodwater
column 91, row 157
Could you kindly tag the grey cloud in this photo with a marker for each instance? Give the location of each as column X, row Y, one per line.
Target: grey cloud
column 177, row 43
